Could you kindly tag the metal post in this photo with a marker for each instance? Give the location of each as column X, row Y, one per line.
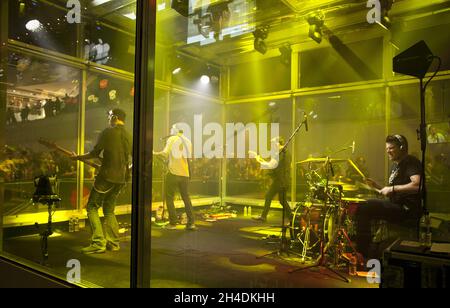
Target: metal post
column 143, row 143
column 224, row 94
column 3, row 96
column 388, row 54
column 81, row 139
column 294, row 85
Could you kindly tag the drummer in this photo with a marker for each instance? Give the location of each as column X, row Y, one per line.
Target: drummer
column 402, row 201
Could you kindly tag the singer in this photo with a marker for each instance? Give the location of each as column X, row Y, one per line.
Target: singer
column 178, row 151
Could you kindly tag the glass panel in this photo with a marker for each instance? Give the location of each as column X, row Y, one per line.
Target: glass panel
column 205, row 171
column 318, row 67
column 57, row 106
column 257, row 77
column 405, row 112
column 336, row 120
column 43, row 24
column 436, row 37
column 245, row 178
column 43, row 102
column 42, row 111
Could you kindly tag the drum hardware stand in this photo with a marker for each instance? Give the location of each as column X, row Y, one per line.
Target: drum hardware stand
column 342, row 233
column 307, row 240
column 284, row 246
column 321, row 260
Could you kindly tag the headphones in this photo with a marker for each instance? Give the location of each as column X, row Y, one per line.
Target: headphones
column 112, row 116
column 400, row 140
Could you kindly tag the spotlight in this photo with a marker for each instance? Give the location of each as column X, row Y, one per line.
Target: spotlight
column 205, row 79
column 204, row 24
column 34, row 25
column 285, row 57
column 176, row 70
column 316, row 21
column 386, row 6
column 22, row 7
column 260, row 35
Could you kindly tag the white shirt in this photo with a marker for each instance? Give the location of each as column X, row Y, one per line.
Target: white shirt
column 178, row 149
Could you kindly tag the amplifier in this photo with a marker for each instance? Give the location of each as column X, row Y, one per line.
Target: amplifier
column 406, row 264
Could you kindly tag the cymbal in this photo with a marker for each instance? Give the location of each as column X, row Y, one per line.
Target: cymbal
column 322, row 160
column 345, row 186
column 356, row 200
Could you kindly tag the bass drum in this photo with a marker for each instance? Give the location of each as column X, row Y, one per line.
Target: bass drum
column 308, row 223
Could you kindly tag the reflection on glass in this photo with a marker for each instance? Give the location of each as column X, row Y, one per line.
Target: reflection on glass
column 438, row 132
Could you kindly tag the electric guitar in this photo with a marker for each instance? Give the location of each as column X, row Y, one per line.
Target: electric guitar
column 54, row 146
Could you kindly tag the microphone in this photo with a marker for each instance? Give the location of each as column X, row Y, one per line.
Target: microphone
column 165, row 138
column 353, row 147
column 306, row 121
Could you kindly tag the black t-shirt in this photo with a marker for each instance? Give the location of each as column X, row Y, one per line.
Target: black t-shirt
column 116, row 145
column 281, row 172
column 400, row 175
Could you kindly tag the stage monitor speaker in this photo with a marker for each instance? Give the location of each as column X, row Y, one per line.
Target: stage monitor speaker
column 181, row 6
column 415, row 61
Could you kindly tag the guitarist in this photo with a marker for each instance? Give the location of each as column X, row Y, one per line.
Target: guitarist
column 279, row 173
column 115, row 146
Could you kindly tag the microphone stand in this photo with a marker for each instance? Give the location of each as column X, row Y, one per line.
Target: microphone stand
column 284, row 246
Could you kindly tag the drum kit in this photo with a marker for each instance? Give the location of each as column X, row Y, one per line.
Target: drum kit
column 323, row 225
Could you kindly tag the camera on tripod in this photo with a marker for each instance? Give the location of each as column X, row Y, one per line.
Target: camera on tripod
column 46, row 193
column 46, row 190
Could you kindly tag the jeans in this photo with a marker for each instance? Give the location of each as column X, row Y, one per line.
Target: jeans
column 276, row 188
column 378, row 209
column 106, row 199
column 174, row 182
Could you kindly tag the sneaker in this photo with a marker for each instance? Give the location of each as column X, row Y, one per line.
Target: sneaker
column 112, row 247
column 191, row 227
column 92, row 249
column 260, row 218
column 170, row 227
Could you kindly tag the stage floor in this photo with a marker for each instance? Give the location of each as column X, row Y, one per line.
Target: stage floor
column 221, row 254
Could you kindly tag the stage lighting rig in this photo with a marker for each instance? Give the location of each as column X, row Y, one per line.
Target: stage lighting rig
column 285, row 57
column 260, row 35
column 386, row 6
column 316, row 22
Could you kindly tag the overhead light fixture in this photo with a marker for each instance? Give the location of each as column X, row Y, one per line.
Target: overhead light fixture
column 316, row 22
column 176, row 71
column 285, row 57
column 34, row 25
column 22, row 7
column 220, row 16
column 205, row 79
column 131, row 16
column 99, row 2
column 385, row 21
column 260, row 35
column 204, row 24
